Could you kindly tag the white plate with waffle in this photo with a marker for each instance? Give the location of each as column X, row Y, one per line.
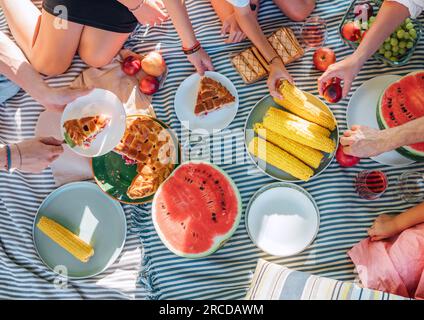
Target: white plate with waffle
column 185, row 103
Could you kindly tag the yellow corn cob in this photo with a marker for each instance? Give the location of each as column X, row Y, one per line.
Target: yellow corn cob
column 66, row 239
column 277, row 157
column 308, row 155
column 289, row 129
column 301, row 122
column 296, row 101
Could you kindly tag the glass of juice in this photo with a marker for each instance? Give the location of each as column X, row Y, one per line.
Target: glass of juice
column 370, row 184
column 314, row 32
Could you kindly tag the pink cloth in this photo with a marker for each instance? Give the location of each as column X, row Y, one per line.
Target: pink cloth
column 393, row 265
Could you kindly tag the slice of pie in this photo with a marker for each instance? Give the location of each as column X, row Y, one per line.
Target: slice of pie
column 83, row 131
column 212, row 96
column 148, row 145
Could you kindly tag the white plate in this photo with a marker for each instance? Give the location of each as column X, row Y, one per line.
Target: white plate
column 362, row 110
column 185, row 101
column 99, row 101
column 95, row 217
column 282, row 219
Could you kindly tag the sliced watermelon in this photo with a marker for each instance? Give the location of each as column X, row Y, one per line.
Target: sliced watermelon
column 196, row 209
column 401, row 102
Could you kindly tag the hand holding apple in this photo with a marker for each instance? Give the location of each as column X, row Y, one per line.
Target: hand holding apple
column 346, row 70
column 344, row 159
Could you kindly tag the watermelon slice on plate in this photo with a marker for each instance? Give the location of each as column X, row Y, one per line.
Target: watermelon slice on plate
column 196, row 210
column 401, row 102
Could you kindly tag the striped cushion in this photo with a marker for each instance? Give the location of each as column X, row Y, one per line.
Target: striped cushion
column 274, row 282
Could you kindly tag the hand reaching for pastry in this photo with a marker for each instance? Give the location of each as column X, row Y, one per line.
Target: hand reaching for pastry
column 277, row 74
column 201, row 61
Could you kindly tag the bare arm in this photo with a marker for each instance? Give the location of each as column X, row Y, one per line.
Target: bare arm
column 406, row 134
column 222, row 8
column 411, row 217
column 389, row 17
column 15, row 66
column 179, row 16
column 178, row 13
column 146, row 12
column 246, row 18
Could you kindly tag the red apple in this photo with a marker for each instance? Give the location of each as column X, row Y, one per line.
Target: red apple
column 153, row 64
column 149, row 85
column 323, row 57
column 131, row 65
column 344, row 159
column 351, row 31
column 332, row 90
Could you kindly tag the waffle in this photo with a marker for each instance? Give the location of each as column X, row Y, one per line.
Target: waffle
column 246, row 72
column 83, row 131
column 289, row 41
column 261, row 59
column 212, row 96
column 254, row 63
column 151, row 147
column 250, row 64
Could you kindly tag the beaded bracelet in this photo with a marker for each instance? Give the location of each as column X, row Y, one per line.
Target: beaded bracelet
column 193, row 49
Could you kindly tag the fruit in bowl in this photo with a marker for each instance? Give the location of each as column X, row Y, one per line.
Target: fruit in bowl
column 149, row 85
column 351, row 31
column 332, row 91
column 153, row 64
column 323, row 58
column 131, row 65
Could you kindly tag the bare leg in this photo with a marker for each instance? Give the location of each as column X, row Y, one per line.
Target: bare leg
column 98, row 47
column 296, row 10
column 54, row 48
column 22, row 17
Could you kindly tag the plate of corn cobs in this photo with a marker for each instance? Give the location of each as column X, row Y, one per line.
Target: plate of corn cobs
column 291, row 139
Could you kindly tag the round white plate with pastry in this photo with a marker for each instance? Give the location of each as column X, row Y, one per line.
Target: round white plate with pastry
column 94, row 124
column 206, row 104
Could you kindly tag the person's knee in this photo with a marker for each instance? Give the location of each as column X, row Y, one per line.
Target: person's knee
column 300, row 12
column 94, row 59
column 49, row 66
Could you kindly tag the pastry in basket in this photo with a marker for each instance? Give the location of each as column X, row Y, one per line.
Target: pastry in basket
column 148, row 145
column 82, row 132
column 212, row 96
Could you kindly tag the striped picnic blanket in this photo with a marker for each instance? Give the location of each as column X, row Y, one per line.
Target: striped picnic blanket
column 226, row 274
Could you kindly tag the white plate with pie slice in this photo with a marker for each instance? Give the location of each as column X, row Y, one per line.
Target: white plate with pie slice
column 185, row 101
column 99, row 102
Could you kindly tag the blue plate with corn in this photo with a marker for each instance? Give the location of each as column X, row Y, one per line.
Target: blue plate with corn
column 293, row 139
column 79, row 231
